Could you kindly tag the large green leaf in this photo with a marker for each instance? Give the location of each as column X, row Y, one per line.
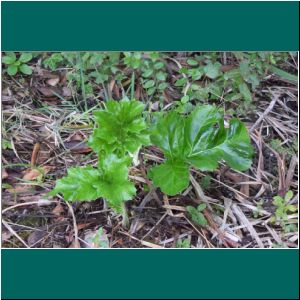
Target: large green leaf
column 25, row 57
column 79, row 185
column 200, row 140
column 168, row 134
column 12, row 70
column 283, row 74
column 170, row 176
column 9, row 58
column 114, row 185
column 212, row 70
column 109, row 181
column 244, row 90
column 121, row 128
column 25, row 69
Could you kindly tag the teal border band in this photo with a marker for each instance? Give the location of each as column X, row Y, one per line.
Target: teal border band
column 187, row 26
column 150, row 274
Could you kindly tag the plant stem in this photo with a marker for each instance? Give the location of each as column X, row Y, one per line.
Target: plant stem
column 125, row 218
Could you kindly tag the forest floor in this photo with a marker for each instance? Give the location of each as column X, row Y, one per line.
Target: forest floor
column 47, row 117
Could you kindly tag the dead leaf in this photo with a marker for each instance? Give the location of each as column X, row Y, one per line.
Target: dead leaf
column 53, row 81
column 4, row 174
column 6, row 235
column 83, row 225
column 20, row 188
column 29, row 175
column 35, row 238
column 66, row 92
column 77, row 147
column 226, row 68
column 137, row 93
column 75, row 245
column 49, row 91
column 32, row 173
column 76, row 136
column 155, row 106
column 97, row 238
column 58, row 210
column 46, row 74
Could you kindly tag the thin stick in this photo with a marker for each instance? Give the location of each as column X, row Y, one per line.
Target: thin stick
column 35, row 152
column 265, row 113
column 23, row 204
column 77, row 244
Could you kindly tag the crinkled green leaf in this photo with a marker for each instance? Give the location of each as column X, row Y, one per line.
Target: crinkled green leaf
column 79, row 185
column 121, row 128
column 114, row 185
column 200, row 140
column 109, row 181
column 170, row 176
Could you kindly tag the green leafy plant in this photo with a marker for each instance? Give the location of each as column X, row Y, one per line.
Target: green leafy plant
column 196, row 214
column 205, row 78
column 121, row 129
column 15, row 65
column 283, row 208
column 53, row 60
column 121, row 132
column 87, row 68
column 6, row 144
column 152, row 68
column 200, row 140
column 100, row 240
column 289, row 151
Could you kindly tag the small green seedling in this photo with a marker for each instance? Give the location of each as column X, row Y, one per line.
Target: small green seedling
column 15, row 65
column 282, row 210
column 196, row 214
column 184, row 243
column 100, row 240
column 258, row 213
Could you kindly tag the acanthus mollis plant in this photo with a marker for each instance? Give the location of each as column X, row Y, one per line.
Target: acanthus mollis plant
column 121, row 131
column 198, row 140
